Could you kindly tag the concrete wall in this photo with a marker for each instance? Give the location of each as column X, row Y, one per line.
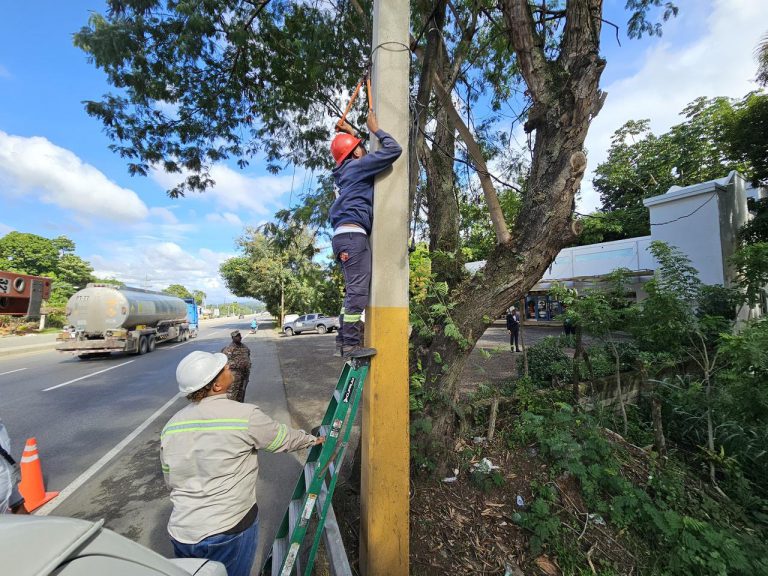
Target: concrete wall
column 601, row 259
column 702, row 221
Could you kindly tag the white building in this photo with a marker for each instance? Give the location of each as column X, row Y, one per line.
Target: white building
column 702, row 221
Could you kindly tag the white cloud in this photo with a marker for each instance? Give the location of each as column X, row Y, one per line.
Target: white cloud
column 225, row 218
column 4, row 73
column 235, row 192
column 157, row 265
column 164, row 214
column 4, row 229
column 57, row 176
column 718, row 61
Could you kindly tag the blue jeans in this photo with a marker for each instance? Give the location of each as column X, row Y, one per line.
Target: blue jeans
column 236, row 551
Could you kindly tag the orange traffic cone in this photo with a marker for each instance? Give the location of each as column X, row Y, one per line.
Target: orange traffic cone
column 32, row 486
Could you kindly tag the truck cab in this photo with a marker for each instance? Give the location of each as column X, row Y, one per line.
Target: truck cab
column 192, row 316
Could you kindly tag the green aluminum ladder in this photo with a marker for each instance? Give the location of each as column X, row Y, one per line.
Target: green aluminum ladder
column 315, row 486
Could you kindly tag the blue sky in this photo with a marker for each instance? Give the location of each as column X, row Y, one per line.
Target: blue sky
column 57, row 175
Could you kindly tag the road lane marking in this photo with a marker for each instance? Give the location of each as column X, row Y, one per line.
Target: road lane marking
column 46, row 509
column 86, row 376
column 12, row 371
column 214, row 332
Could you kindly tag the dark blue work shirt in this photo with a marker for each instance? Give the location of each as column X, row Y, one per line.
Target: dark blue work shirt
column 354, row 178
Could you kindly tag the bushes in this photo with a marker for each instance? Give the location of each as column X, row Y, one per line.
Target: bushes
column 547, row 362
column 679, row 530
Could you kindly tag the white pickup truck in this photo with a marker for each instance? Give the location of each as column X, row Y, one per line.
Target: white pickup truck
column 307, row 322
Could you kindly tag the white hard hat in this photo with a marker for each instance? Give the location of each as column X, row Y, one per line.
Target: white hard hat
column 198, row 369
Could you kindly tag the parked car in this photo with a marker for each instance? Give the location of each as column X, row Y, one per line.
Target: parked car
column 35, row 545
column 319, row 322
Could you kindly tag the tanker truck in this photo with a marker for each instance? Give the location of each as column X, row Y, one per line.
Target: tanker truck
column 103, row 318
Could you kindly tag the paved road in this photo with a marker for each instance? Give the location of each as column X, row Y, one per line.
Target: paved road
column 82, row 412
column 78, row 410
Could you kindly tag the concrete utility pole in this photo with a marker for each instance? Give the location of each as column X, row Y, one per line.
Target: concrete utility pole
column 385, row 436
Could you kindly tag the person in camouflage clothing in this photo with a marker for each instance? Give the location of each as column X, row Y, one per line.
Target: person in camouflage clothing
column 239, row 356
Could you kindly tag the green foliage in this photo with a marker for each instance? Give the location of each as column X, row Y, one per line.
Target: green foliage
column 54, row 258
column 641, row 164
column 745, row 132
column 199, row 297
column 751, row 263
column 679, row 528
column 762, row 61
column 601, row 227
column 756, row 230
column 547, row 363
column 478, row 235
column 277, row 264
column 178, row 290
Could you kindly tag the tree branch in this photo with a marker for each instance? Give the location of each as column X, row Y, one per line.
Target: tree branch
column 528, row 46
column 491, row 198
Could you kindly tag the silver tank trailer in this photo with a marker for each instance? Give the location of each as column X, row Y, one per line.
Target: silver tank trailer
column 98, row 308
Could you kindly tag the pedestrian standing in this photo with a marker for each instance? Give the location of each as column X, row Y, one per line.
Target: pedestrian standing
column 352, row 221
column 239, row 356
column 513, row 325
column 209, row 457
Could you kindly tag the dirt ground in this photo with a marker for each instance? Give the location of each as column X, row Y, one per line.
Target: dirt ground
column 455, row 528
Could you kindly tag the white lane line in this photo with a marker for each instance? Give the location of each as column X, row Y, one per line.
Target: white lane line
column 172, row 347
column 86, row 376
column 212, row 333
column 12, row 371
column 103, row 461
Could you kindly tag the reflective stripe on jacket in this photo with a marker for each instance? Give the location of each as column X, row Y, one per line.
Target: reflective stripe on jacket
column 208, row 454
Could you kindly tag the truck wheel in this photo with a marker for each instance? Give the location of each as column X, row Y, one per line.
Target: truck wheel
column 321, row 329
column 85, row 356
column 151, row 343
column 288, row 331
column 143, row 345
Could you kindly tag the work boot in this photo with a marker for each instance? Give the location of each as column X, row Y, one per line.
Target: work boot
column 338, row 351
column 358, row 352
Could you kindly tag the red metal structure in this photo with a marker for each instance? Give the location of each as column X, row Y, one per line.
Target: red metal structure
column 22, row 294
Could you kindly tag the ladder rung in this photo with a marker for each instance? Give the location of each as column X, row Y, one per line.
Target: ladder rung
column 309, row 471
column 294, row 511
column 279, row 549
column 325, row 430
column 337, row 396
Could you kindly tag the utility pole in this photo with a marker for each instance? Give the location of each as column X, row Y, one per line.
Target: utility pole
column 385, row 438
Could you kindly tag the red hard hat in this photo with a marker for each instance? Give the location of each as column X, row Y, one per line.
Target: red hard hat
column 342, row 146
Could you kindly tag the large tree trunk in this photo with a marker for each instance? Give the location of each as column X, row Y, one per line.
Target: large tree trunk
column 566, row 97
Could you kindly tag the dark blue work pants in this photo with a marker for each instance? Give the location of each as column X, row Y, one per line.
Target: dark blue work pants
column 353, row 250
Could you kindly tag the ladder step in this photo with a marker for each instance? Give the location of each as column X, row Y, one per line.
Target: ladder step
column 337, row 396
column 294, row 511
column 279, row 549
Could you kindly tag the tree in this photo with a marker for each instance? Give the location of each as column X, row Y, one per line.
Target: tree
column 762, row 61
column 55, row 258
column 177, row 290
column 278, row 269
column 31, row 254
column 745, row 133
column 221, row 79
column 641, row 164
column 199, row 297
